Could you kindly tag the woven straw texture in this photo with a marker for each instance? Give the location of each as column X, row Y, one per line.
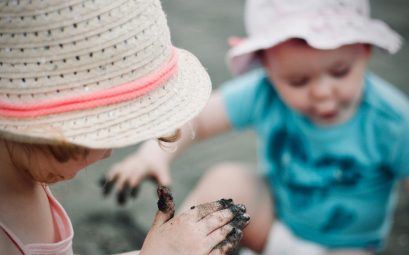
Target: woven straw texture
column 54, row 50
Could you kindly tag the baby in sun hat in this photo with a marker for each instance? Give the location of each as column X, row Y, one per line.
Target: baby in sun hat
column 78, row 78
column 333, row 140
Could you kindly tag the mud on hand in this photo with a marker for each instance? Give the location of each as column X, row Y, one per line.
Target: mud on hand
column 122, row 195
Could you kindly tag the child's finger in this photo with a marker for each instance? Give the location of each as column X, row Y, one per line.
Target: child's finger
column 107, row 185
column 203, row 210
column 227, row 248
column 218, row 236
column 230, row 243
column 165, row 205
column 216, row 220
column 122, row 180
column 134, row 191
column 113, row 172
column 217, row 252
column 162, row 177
column 123, row 194
column 240, row 221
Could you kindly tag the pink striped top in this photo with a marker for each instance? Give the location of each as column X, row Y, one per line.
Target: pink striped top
column 63, row 225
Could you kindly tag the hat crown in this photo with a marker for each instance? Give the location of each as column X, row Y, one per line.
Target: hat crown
column 57, row 49
column 262, row 14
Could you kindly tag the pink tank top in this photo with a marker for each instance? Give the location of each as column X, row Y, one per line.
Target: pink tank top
column 63, row 225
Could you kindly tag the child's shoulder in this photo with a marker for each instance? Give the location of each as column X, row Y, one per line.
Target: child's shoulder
column 255, row 83
column 253, row 87
column 254, row 77
column 385, row 100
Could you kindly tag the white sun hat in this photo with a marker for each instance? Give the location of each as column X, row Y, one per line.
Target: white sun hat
column 95, row 73
column 324, row 24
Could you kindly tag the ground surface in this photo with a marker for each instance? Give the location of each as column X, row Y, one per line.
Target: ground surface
column 203, row 27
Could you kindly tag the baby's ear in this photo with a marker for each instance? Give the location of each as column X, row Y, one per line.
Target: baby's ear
column 368, row 49
column 262, row 57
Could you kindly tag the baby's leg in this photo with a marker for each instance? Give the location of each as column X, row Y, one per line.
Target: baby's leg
column 238, row 182
column 349, row 252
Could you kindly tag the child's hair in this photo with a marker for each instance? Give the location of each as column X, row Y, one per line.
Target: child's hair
column 62, row 153
column 172, row 137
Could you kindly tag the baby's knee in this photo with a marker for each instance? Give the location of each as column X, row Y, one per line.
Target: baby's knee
column 228, row 171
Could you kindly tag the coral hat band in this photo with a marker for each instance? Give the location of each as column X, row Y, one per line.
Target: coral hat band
column 123, row 92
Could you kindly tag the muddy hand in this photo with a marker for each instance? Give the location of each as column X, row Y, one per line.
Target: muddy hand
column 123, row 193
column 165, row 201
column 239, row 222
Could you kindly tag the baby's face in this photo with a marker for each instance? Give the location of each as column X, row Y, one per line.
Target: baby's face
column 324, row 85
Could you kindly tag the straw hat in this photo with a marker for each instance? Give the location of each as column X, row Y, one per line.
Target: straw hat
column 96, row 73
column 324, row 24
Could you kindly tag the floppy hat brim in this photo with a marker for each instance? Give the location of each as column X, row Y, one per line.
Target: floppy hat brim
column 152, row 115
column 359, row 30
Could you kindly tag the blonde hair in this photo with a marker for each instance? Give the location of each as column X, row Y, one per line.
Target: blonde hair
column 61, row 152
column 172, row 137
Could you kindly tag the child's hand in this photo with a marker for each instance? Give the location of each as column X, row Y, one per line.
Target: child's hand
column 212, row 228
column 149, row 162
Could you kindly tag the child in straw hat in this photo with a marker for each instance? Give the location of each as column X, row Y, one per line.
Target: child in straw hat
column 333, row 137
column 77, row 79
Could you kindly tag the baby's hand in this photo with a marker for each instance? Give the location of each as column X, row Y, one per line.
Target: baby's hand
column 126, row 176
column 213, row 228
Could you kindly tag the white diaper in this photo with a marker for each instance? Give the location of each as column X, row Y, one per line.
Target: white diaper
column 282, row 241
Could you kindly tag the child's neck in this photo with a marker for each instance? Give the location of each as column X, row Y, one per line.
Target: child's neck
column 19, row 192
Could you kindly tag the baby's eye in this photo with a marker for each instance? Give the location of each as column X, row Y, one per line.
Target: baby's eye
column 341, row 72
column 299, row 82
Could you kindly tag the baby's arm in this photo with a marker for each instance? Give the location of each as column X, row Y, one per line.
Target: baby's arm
column 152, row 160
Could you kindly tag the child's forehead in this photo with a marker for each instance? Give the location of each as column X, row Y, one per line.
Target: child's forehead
column 296, row 46
column 296, row 55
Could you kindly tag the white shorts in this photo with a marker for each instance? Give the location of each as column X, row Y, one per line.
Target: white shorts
column 282, row 241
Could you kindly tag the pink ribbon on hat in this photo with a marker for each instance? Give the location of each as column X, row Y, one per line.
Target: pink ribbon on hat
column 121, row 93
column 234, row 41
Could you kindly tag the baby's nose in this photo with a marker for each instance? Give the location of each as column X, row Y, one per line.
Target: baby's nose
column 321, row 90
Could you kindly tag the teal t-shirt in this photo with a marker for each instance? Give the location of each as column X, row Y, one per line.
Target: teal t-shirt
column 334, row 185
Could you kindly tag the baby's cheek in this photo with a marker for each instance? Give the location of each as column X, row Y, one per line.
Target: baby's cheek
column 350, row 95
column 300, row 103
column 296, row 99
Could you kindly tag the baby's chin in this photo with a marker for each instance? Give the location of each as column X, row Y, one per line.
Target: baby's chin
column 334, row 119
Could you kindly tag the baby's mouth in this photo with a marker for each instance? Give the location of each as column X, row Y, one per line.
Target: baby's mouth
column 330, row 115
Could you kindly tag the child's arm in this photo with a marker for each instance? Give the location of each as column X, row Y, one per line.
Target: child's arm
column 150, row 160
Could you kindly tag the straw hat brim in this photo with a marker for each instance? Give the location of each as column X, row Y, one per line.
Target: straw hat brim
column 155, row 114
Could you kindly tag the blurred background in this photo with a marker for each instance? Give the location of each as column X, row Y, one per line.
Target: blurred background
column 202, row 27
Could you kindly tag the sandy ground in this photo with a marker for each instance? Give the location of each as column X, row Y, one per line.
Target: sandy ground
column 203, row 27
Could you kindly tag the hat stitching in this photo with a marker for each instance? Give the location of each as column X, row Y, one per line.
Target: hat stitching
column 181, row 96
column 84, row 87
column 91, row 62
column 95, row 31
column 116, row 94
